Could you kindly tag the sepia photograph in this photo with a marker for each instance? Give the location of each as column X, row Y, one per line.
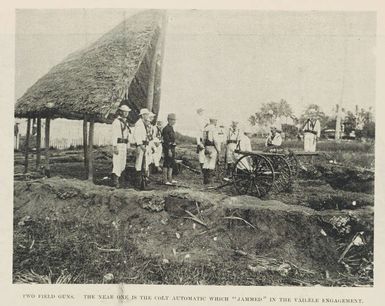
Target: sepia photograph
column 194, row 147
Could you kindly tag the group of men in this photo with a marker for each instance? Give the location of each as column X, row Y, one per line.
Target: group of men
column 237, row 139
column 210, row 145
column 150, row 142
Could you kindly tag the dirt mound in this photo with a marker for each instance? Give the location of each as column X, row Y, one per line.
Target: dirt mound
column 340, row 176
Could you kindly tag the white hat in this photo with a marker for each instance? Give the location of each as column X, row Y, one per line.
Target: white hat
column 144, row 111
column 124, row 108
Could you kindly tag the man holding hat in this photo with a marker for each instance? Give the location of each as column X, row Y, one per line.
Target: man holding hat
column 212, row 149
column 312, row 131
column 142, row 142
column 168, row 135
column 120, row 133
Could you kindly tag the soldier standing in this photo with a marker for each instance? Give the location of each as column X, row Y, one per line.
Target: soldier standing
column 201, row 123
column 312, row 131
column 168, row 135
column 120, row 133
column 150, row 128
column 212, row 149
column 142, row 142
column 244, row 144
column 158, row 145
column 232, row 139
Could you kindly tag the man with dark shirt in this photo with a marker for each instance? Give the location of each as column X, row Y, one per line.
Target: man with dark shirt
column 168, row 135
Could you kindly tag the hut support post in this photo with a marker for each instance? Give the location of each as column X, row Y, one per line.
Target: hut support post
column 85, row 144
column 27, row 145
column 91, row 151
column 47, row 132
column 151, row 81
column 38, row 143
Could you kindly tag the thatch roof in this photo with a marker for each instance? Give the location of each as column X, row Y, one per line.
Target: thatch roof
column 95, row 80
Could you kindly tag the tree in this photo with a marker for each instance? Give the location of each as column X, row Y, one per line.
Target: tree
column 278, row 109
column 284, row 109
column 349, row 123
column 319, row 114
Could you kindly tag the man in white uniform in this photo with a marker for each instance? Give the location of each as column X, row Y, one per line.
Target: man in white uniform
column 312, row 131
column 158, row 145
column 212, row 149
column 142, row 142
column 233, row 136
column 120, row 133
column 244, row 145
column 150, row 127
column 201, row 123
column 274, row 140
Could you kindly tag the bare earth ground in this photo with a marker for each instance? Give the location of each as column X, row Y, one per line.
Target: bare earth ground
column 68, row 230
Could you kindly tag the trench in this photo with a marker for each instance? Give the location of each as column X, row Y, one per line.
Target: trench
column 69, row 224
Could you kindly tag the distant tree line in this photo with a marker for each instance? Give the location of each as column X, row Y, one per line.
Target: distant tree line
column 362, row 123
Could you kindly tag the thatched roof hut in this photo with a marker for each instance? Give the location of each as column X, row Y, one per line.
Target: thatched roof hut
column 122, row 67
column 95, row 80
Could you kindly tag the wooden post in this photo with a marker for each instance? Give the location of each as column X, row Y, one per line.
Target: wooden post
column 159, row 62
column 338, row 123
column 47, row 131
column 27, row 145
column 85, row 144
column 151, row 79
column 91, row 151
column 38, row 143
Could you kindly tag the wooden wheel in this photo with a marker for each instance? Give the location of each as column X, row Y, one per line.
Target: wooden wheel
column 292, row 160
column 282, row 172
column 253, row 175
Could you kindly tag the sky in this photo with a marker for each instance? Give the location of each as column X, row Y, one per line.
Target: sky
column 229, row 62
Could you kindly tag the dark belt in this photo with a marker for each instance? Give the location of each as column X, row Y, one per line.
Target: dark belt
column 144, row 143
column 122, row 140
column 231, row 141
column 310, row 131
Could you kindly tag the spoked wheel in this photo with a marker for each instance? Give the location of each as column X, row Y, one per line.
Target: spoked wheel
column 293, row 163
column 253, row 175
column 283, row 174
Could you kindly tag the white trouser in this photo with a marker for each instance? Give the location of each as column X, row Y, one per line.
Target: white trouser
column 230, row 158
column 139, row 158
column 210, row 160
column 119, row 160
column 309, row 141
column 201, row 156
column 157, row 155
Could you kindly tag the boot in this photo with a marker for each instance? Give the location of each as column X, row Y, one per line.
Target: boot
column 165, row 176
column 122, row 181
column 115, row 180
column 138, row 178
column 205, row 176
